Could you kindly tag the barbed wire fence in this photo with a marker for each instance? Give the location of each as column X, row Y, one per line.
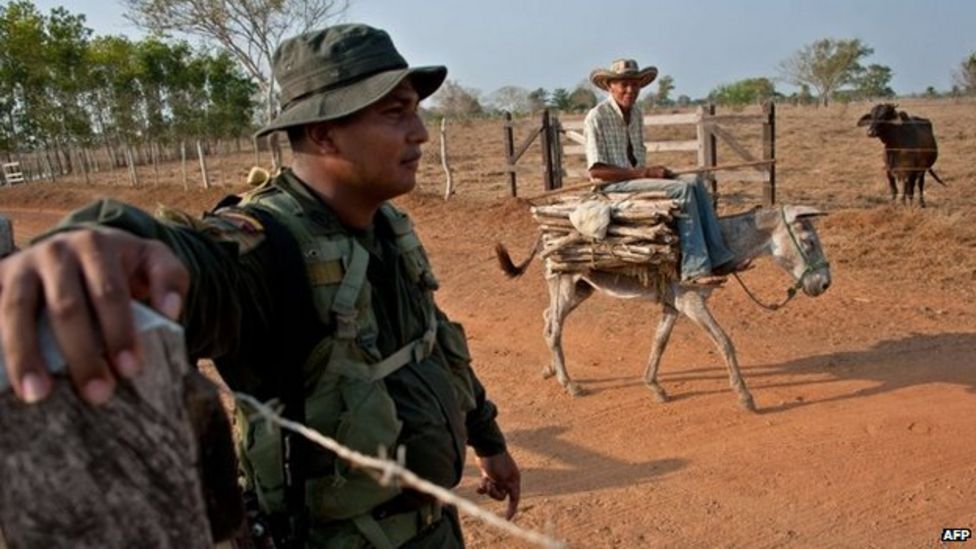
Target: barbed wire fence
column 394, row 471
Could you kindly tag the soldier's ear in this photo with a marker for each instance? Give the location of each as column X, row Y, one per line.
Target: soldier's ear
column 321, row 136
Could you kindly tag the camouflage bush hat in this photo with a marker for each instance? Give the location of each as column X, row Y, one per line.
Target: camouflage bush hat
column 330, row 73
column 622, row 69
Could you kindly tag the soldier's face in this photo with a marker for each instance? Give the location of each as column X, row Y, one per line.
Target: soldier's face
column 624, row 92
column 379, row 146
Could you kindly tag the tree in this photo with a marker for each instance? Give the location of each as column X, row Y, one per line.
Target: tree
column 539, row 98
column 665, row 85
column 453, row 99
column 560, row 99
column 661, row 97
column 583, row 97
column 512, row 99
column 826, row 65
column 873, row 82
column 743, row 92
column 249, row 30
column 965, row 76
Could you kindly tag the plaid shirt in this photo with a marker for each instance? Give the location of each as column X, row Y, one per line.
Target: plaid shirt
column 606, row 136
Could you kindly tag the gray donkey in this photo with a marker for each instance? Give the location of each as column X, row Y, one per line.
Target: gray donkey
column 785, row 233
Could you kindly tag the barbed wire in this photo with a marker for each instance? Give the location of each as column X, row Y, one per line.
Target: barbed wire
column 391, row 471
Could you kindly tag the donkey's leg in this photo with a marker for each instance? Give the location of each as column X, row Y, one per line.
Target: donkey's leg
column 692, row 304
column 668, row 316
column 565, row 293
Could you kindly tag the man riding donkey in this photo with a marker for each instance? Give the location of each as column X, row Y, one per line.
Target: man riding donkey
column 310, row 289
column 615, row 152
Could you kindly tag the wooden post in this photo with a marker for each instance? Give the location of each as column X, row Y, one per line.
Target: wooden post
column 702, row 134
column 713, row 159
column 510, row 154
column 203, row 165
column 555, row 130
column 186, row 182
column 146, row 468
column 769, row 151
column 546, row 136
column 449, row 187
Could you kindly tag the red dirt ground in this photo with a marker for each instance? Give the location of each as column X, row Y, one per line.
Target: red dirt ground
column 865, row 434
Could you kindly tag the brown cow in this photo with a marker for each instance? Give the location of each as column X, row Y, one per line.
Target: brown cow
column 910, row 149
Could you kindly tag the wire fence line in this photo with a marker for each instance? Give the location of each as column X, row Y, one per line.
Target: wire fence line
column 392, row 471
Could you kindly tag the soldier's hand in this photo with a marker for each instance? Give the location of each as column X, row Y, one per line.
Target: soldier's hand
column 500, row 478
column 85, row 280
column 658, row 172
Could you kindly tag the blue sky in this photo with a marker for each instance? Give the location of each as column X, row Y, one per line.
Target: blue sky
column 700, row 43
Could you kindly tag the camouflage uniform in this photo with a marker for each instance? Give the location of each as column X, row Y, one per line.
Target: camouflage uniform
column 252, row 309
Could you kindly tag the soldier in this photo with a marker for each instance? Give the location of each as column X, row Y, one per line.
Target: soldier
column 310, row 289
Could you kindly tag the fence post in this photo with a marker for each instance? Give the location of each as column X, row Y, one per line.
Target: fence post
column 510, row 154
column 449, row 173
column 701, row 136
column 712, row 158
column 546, row 136
column 769, row 151
column 203, row 165
column 555, row 142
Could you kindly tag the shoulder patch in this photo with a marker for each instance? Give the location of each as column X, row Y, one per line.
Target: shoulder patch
column 235, row 226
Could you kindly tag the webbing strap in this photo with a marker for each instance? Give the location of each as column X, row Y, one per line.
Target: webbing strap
column 370, row 529
column 344, row 304
column 414, row 352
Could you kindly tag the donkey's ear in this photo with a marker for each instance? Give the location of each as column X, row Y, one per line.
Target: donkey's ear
column 798, row 212
column 864, row 121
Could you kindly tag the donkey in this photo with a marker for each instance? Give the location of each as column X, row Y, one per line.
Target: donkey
column 785, row 233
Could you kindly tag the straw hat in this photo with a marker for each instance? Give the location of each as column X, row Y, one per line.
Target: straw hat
column 623, row 69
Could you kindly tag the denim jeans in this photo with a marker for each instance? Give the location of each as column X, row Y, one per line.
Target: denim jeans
column 702, row 245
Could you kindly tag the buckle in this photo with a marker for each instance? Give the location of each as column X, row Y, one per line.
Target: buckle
column 346, row 326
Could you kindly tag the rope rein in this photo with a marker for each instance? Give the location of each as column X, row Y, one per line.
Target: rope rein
column 808, row 267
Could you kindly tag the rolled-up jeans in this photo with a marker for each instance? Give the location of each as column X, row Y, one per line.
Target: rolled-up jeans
column 702, row 245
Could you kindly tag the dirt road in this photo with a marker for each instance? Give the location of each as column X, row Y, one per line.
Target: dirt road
column 865, row 435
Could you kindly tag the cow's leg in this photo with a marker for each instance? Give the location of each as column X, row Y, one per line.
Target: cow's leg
column 691, row 303
column 910, row 187
column 565, row 294
column 668, row 316
column 903, row 177
column 892, row 185
column 921, row 189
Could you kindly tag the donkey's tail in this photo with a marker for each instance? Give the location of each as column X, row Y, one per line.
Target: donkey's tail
column 937, row 178
column 509, row 266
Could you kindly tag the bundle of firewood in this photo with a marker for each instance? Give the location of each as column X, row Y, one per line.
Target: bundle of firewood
column 639, row 240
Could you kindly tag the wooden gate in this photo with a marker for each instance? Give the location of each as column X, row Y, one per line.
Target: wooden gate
column 710, row 127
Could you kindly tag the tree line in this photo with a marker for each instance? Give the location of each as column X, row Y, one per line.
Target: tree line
column 65, row 92
column 824, row 71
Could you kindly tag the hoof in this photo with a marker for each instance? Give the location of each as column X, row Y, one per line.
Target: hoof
column 575, row 389
column 547, row 373
column 659, row 393
column 747, row 403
